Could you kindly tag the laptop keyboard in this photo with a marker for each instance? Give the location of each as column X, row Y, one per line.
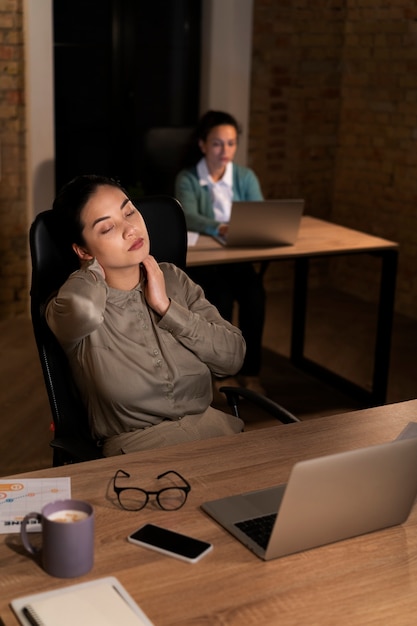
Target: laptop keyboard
column 259, row 529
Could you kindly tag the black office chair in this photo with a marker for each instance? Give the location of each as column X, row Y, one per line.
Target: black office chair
column 52, row 263
column 164, row 151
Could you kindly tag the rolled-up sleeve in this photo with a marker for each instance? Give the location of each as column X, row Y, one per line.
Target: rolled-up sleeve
column 78, row 308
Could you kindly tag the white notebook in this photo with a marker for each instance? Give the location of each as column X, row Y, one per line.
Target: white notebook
column 101, row 602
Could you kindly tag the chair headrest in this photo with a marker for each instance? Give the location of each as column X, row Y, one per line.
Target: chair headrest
column 52, row 261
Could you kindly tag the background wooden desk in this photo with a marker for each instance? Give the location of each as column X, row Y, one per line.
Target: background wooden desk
column 366, row 580
column 318, row 238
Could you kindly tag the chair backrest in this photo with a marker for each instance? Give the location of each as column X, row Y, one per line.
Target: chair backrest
column 51, row 265
column 164, row 151
column 165, row 222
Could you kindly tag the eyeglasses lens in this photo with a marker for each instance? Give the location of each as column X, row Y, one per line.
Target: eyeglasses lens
column 171, row 498
column 132, row 499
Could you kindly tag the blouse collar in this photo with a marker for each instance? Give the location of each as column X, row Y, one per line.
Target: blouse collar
column 205, row 179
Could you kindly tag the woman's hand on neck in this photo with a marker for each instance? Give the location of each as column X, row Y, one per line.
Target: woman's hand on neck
column 154, row 286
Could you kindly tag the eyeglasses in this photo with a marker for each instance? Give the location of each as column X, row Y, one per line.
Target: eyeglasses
column 135, row 499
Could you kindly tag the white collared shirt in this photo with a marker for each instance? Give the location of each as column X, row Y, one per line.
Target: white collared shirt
column 221, row 191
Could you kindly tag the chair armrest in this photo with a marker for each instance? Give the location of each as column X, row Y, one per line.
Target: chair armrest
column 273, row 408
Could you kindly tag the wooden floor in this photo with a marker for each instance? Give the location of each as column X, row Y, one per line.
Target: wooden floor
column 340, row 334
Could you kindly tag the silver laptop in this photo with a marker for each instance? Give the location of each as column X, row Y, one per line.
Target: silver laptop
column 263, row 223
column 325, row 500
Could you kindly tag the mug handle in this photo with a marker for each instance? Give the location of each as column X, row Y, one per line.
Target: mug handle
column 24, row 533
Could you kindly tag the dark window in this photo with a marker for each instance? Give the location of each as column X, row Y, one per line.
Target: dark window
column 122, row 67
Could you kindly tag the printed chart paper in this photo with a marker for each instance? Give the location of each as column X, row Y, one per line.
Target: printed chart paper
column 19, row 496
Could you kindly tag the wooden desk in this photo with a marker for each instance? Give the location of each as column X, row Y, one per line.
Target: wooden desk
column 318, row 238
column 369, row 580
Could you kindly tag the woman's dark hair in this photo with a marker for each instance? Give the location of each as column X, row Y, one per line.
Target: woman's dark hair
column 206, row 123
column 71, row 200
column 211, row 119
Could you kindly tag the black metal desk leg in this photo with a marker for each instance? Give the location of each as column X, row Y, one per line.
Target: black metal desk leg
column 389, row 260
column 299, row 310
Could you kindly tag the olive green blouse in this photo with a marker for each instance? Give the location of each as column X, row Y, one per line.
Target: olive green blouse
column 134, row 368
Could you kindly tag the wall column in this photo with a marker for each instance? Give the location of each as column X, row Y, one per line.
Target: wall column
column 39, row 96
column 226, row 62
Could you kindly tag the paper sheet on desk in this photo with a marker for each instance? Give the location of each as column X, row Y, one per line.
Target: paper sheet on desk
column 409, row 431
column 19, row 496
column 96, row 602
column 192, row 238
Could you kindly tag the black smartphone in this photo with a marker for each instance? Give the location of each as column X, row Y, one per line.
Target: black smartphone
column 170, row 543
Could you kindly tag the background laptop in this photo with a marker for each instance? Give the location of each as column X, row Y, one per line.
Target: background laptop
column 327, row 499
column 263, row 223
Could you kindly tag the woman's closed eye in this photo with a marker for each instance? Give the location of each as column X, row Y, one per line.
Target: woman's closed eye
column 106, row 229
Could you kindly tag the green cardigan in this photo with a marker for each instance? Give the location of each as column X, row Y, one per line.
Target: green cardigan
column 196, row 201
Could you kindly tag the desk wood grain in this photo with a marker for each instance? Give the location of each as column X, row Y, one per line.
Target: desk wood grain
column 316, row 238
column 366, row 580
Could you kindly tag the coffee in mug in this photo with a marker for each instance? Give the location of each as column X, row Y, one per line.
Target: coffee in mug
column 68, row 516
column 67, row 548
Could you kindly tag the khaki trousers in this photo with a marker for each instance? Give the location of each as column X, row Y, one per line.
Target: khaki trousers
column 211, row 423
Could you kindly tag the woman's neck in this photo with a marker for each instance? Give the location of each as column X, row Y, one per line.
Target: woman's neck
column 124, row 279
column 216, row 174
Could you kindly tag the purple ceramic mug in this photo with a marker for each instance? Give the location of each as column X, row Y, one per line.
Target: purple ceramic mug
column 67, row 537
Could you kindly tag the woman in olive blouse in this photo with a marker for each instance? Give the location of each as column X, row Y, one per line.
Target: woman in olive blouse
column 141, row 339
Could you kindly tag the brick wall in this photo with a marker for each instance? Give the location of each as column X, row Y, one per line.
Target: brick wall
column 296, row 77
column 295, row 106
column 334, row 119
column 375, row 183
column 13, row 218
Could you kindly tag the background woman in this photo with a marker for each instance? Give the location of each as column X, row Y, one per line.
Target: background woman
column 206, row 191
